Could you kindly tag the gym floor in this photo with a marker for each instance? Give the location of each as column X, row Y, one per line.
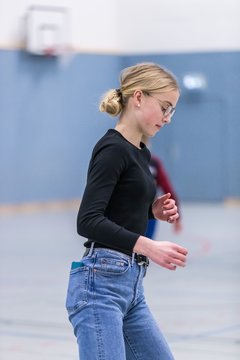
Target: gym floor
column 197, row 308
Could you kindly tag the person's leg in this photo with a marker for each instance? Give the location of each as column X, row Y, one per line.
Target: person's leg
column 143, row 338
column 99, row 293
column 99, row 333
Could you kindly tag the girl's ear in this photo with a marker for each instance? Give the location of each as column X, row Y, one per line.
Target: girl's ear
column 137, row 97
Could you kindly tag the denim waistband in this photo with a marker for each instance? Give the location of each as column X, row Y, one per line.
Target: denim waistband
column 139, row 258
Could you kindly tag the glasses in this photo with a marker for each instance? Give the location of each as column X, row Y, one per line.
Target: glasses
column 167, row 110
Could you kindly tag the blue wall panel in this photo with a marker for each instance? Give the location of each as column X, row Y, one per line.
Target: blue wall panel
column 49, row 122
column 201, row 148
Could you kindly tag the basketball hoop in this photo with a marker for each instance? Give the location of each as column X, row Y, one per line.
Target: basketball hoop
column 47, row 30
column 50, row 52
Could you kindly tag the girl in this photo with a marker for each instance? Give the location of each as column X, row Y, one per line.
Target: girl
column 105, row 299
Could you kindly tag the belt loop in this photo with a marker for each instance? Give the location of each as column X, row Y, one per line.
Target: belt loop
column 91, row 249
column 133, row 256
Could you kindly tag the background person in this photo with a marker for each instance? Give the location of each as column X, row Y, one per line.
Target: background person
column 163, row 184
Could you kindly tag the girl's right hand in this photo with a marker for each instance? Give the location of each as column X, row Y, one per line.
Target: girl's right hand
column 164, row 253
column 168, row 254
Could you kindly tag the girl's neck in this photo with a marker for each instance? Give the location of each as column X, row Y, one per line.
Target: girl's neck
column 129, row 133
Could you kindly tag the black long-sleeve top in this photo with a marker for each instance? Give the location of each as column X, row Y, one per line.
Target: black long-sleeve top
column 117, row 201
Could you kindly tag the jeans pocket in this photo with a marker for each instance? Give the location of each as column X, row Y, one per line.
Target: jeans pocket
column 77, row 294
column 109, row 265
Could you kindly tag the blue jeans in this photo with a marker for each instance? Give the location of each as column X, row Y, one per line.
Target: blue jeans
column 107, row 309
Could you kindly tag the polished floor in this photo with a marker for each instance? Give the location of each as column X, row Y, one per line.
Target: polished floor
column 198, row 307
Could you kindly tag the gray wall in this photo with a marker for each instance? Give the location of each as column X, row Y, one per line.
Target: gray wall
column 49, row 122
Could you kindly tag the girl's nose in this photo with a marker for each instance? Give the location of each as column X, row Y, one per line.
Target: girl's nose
column 167, row 119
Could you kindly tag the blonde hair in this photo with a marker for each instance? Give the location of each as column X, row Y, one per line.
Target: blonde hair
column 148, row 77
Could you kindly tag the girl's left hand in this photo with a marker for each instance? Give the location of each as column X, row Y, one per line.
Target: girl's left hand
column 164, row 208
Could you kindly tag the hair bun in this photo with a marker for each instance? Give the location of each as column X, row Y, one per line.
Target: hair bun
column 111, row 102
